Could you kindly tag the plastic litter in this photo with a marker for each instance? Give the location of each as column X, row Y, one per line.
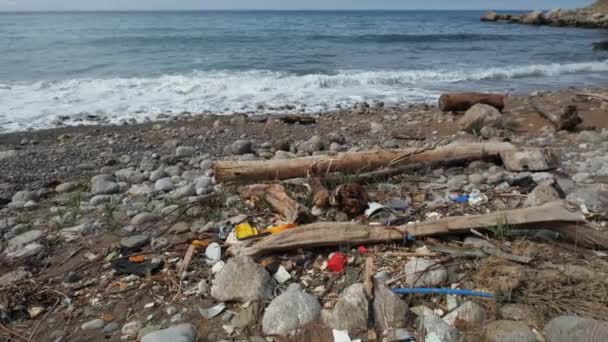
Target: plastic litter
column 278, row 229
column 361, row 249
column 213, row 253
column 213, row 311
column 245, row 230
column 142, row 269
column 281, row 275
column 443, row 291
column 336, row 262
column 372, row 208
column 342, row 336
column 477, row 198
column 459, row 198
column 137, row 259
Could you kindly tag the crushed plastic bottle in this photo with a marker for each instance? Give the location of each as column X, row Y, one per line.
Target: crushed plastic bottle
column 476, row 198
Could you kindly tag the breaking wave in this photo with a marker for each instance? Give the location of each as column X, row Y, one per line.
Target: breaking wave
column 37, row 104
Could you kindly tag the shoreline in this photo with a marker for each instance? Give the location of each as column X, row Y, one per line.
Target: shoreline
column 76, row 197
column 84, row 149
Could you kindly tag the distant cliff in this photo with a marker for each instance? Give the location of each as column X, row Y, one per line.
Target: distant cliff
column 594, row 16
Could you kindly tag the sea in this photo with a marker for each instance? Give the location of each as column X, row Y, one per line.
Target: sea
column 135, row 65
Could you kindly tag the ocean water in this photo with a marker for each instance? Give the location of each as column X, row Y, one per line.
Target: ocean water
column 123, row 65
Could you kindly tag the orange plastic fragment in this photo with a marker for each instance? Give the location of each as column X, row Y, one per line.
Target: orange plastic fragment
column 137, row 259
column 107, row 317
column 200, row 243
column 278, row 229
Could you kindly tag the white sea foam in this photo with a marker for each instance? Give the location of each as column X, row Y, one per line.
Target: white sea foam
column 37, row 104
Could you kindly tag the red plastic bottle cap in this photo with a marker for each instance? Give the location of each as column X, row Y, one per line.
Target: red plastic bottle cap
column 361, row 249
column 336, row 262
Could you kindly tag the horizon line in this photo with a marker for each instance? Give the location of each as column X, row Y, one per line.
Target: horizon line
column 264, row 10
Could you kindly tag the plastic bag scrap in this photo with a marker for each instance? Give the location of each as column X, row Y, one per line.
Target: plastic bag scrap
column 476, row 198
column 142, row 269
column 395, row 211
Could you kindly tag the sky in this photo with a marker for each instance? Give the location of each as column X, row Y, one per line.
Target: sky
column 84, row 5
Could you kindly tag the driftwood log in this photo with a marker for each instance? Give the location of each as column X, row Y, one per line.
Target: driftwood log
column 558, row 214
column 460, row 102
column 354, row 162
column 278, row 198
column 565, row 118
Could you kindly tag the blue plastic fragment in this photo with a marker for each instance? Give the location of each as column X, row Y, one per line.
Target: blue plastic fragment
column 459, row 198
column 441, row 291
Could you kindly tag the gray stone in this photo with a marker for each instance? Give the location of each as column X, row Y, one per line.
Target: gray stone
column 130, row 176
column 542, row 177
column 101, row 199
column 179, row 333
column 582, row 177
column 184, row 191
column 143, row 218
column 134, row 241
column 228, row 283
column 23, row 239
column 437, row 330
column 351, row 311
column 575, row 329
column 477, row 179
column 14, row 276
column 508, row 331
column 421, row 272
column 180, row 227
column 479, row 116
column 469, row 314
column 185, row 151
column 542, row 194
column 515, row 312
column 206, row 164
column 148, row 164
column 157, row 174
column 241, row 147
column 290, row 311
column 314, row 144
column 95, row 324
column 8, row 154
column 141, row 190
column 131, row 329
column 111, row 328
column 174, row 170
column 530, row 159
column 75, row 232
column 389, row 309
column 376, row 128
column 595, row 199
column 164, row 185
column 104, row 185
column 27, row 251
column 591, row 137
column 457, row 181
column 203, row 185
column 66, row 187
column 7, row 222
column 24, row 196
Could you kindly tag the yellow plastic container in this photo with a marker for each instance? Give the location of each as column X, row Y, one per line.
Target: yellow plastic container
column 245, row 231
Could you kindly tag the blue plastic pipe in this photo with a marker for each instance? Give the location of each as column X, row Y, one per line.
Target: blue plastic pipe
column 459, row 292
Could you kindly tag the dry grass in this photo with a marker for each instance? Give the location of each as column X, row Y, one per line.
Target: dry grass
column 550, row 289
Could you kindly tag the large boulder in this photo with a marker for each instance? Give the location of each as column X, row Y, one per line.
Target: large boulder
column 508, row 331
column 533, row 18
column 489, row 16
column 179, row 333
column 469, row 314
column 436, row 329
column 243, row 280
column 421, row 272
column 291, row 310
column 542, row 194
column 389, row 308
column 480, row 116
column 104, row 185
column 351, row 310
column 574, row 329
